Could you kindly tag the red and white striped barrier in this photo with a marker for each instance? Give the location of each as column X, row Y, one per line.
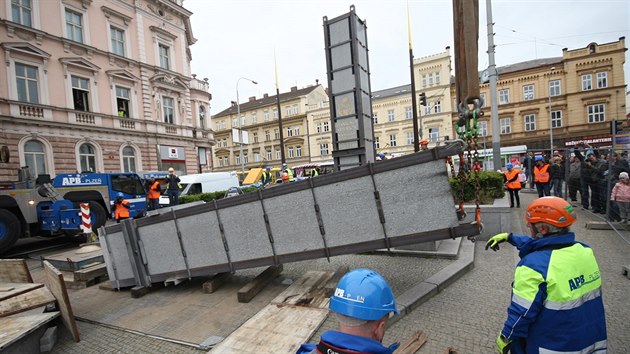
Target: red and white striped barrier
column 86, row 220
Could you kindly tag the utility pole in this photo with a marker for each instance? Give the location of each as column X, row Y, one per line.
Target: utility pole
column 414, row 104
column 494, row 109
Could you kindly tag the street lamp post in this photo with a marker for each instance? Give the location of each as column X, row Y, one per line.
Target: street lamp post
column 550, row 118
column 240, row 124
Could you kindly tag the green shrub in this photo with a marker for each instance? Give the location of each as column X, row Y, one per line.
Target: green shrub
column 491, row 187
column 208, row 197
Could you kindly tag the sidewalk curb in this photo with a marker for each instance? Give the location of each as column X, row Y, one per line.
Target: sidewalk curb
column 421, row 292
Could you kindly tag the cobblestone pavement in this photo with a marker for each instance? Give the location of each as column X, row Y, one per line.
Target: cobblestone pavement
column 467, row 315
column 404, row 273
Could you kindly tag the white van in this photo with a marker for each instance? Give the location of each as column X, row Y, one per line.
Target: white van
column 204, row 183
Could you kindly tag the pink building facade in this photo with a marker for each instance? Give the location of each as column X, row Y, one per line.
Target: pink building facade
column 100, row 86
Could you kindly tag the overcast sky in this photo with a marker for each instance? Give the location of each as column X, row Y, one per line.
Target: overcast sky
column 237, row 38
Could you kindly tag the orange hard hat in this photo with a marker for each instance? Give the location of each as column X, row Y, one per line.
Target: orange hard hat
column 551, row 210
column 424, row 142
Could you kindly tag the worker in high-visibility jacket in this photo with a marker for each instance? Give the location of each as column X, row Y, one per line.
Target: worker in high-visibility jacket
column 266, row 176
column 289, row 172
column 557, row 302
column 542, row 178
column 154, row 194
column 513, row 184
column 121, row 208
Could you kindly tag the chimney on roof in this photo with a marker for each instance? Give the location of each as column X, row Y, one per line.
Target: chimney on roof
column 294, row 89
column 266, row 95
column 252, row 99
column 316, row 82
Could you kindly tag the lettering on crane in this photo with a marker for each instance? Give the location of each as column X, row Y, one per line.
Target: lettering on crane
column 73, row 181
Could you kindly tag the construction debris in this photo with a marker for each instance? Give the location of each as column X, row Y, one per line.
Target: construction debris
column 20, row 332
column 413, row 344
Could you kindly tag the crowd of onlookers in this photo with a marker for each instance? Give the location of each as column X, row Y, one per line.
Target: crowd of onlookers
column 595, row 175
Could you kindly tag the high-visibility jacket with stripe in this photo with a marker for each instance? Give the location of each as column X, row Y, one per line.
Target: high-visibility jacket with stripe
column 121, row 210
column 541, row 174
column 154, row 191
column 557, row 302
column 511, row 179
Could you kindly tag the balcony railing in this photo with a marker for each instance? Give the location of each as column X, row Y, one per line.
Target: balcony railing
column 127, row 124
column 85, row 118
column 70, row 117
column 201, row 85
column 31, row 111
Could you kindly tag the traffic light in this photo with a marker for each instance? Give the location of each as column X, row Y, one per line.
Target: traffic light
column 616, row 126
column 423, row 99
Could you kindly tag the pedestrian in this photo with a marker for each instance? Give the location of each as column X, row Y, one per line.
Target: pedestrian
column 528, row 165
column 556, row 173
column 557, row 302
column 172, row 187
column 362, row 304
column 621, row 196
column 155, row 190
column 121, row 208
column 513, row 184
column 541, row 176
column 585, row 174
column 574, row 179
column 595, row 168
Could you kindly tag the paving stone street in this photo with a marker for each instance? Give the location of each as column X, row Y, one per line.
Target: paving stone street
column 467, row 315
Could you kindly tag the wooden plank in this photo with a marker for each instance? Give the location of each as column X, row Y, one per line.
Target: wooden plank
column 274, row 329
column 216, row 282
column 90, row 273
column 17, row 289
column 15, row 328
column 73, row 260
column 14, row 271
column 247, row 293
column 27, row 301
column 309, row 290
column 603, row 225
column 287, row 322
column 58, row 288
column 413, row 344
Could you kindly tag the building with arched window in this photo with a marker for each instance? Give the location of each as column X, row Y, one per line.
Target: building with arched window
column 100, row 86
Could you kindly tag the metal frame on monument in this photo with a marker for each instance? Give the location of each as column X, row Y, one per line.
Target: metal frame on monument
column 348, row 75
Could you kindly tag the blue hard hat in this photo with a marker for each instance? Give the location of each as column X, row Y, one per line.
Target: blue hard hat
column 120, row 194
column 509, row 165
column 268, row 168
column 538, row 158
column 363, row 294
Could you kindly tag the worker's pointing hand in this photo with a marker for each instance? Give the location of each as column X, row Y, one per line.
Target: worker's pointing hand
column 495, row 240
